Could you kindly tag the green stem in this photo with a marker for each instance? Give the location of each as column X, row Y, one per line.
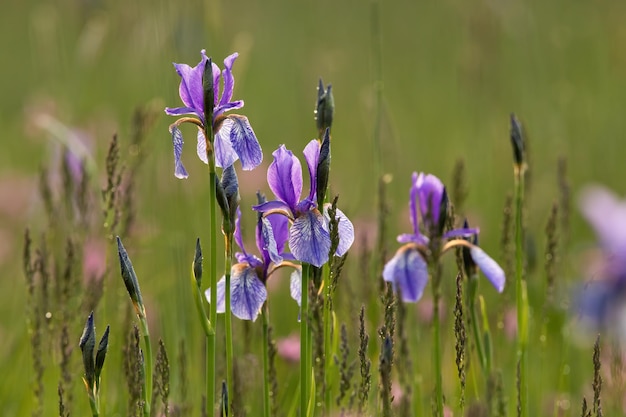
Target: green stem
column 265, row 312
column 147, row 366
column 327, row 341
column 93, row 403
column 436, row 281
column 228, row 259
column 478, row 339
column 521, row 300
column 210, row 349
column 305, row 374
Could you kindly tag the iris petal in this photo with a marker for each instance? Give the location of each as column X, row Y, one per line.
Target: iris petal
column 221, row 295
column 247, row 292
column 309, row 239
column 201, row 147
column 225, row 155
column 229, row 80
column 490, row 268
column 295, row 285
column 408, row 271
column 346, row 230
column 268, row 242
column 284, row 176
column 243, row 141
column 177, row 141
column 312, row 155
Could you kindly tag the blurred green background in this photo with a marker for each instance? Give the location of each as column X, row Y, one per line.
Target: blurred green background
column 452, row 72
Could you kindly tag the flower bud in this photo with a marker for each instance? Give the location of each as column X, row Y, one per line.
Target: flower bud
column 197, row 264
column 323, row 168
column 325, row 108
column 130, row 279
column 208, row 91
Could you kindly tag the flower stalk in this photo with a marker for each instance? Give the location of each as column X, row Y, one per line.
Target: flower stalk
column 265, row 312
column 436, row 291
column 519, row 168
column 228, row 260
column 305, row 370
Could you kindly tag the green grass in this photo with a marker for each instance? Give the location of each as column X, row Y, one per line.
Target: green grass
column 452, row 73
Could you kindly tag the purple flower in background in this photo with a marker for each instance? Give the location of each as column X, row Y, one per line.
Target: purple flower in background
column 249, row 275
column 602, row 301
column 234, row 137
column 408, row 269
column 309, row 236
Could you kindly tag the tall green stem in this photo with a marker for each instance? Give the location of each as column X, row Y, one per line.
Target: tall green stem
column 436, row 288
column 265, row 312
column 228, row 259
column 478, row 336
column 521, row 299
column 327, row 341
column 147, row 388
column 210, row 348
column 305, row 370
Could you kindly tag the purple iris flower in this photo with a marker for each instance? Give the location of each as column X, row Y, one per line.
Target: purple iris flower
column 309, row 236
column 249, row 275
column 602, row 301
column 234, row 137
column 408, row 269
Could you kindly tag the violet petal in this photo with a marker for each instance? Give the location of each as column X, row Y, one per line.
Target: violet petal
column 346, row 230
column 201, row 147
column 229, row 80
column 284, row 176
column 490, row 268
column 312, row 155
column 408, row 271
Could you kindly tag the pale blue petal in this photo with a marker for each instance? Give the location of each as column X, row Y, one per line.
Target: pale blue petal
column 243, row 141
column 225, row 155
column 247, row 292
column 490, row 268
column 309, row 239
column 221, row 295
column 408, row 272
column 295, row 285
column 201, row 147
column 177, row 141
column 346, row 230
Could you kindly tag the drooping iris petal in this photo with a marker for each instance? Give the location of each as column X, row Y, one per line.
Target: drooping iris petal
column 225, row 154
column 429, row 193
column 408, row 271
column 177, row 141
column 284, row 176
column 295, row 285
column 201, row 147
column 243, row 141
column 490, row 268
column 221, row 295
column 229, row 80
column 346, row 230
column 247, row 292
column 311, row 155
column 309, row 239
